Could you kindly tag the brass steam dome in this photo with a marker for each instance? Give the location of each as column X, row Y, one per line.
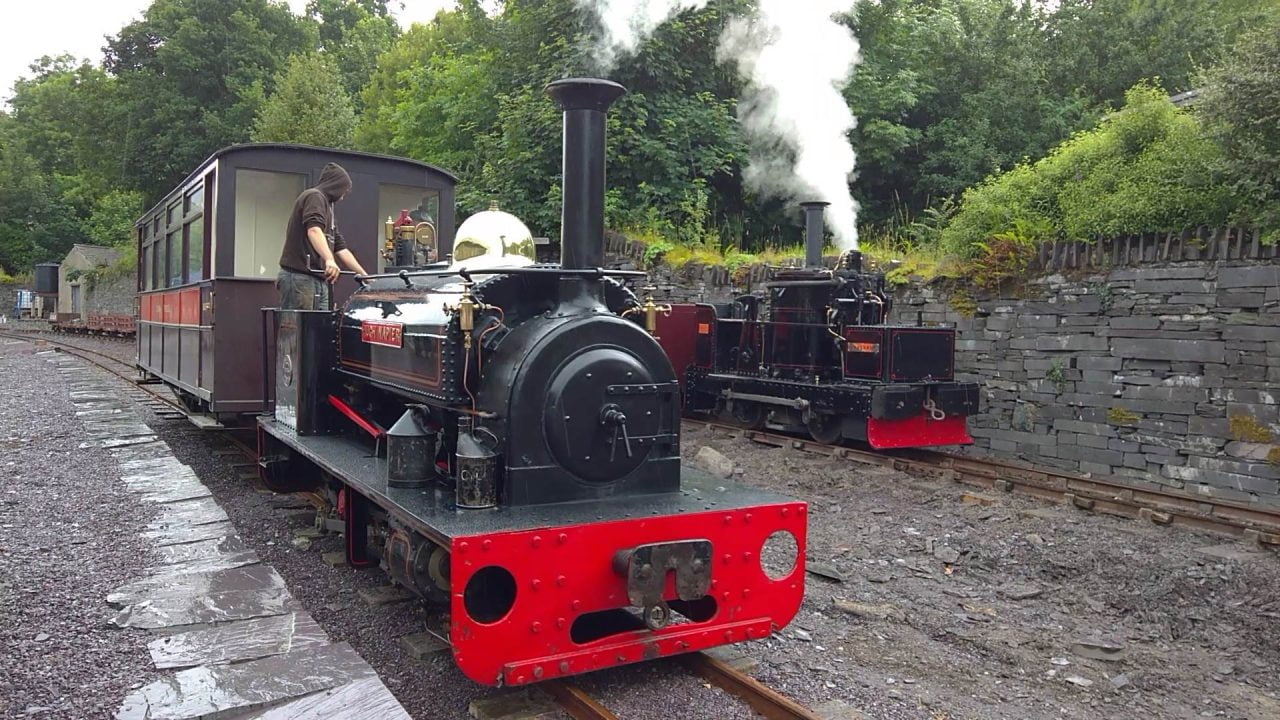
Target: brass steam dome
column 494, row 238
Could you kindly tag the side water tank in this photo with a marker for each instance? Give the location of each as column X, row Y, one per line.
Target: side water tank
column 47, row 278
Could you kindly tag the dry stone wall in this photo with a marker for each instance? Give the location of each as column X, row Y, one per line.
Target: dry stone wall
column 113, row 296
column 9, row 296
column 1168, row 376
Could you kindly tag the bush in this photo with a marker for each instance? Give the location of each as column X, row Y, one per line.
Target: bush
column 1147, row 168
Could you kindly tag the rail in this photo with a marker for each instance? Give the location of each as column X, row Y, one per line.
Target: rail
column 764, row 700
column 576, row 702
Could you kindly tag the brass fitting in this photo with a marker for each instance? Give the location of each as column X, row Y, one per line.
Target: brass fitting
column 467, row 308
column 651, row 310
column 389, row 234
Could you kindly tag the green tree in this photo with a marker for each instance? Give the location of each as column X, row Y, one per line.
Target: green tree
column 57, row 171
column 38, row 222
column 354, row 33
column 1101, row 48
column 110, row 222
column 1240, row 106
column 309, row 106
column 193, row 76
column 449, row 34
column 65, row 116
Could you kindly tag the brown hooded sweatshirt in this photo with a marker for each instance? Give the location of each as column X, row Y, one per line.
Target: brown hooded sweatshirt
column 314, row 208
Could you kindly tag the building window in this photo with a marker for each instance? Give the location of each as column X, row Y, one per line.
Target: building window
column 263, row 203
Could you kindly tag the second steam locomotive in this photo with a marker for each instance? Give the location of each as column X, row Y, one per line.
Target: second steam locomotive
column 816, row 353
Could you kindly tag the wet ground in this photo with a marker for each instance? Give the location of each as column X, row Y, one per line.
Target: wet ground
column 65, row 543
column 222, row 628
column 953, row 604
column 998, row 607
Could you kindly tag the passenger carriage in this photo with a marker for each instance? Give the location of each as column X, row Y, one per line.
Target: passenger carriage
column 208, row 257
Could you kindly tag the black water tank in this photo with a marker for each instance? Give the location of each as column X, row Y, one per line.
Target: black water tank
column 47, row 278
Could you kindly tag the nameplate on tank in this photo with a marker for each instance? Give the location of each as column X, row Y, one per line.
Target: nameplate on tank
column 382, row 333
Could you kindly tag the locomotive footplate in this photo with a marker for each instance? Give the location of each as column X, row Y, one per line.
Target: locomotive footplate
column 545, row 591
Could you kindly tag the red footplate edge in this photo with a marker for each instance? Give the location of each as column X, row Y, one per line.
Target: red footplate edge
column 918, row 431
column 524, row 603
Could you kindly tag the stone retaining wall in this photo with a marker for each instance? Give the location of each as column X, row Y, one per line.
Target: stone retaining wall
column 113, row 296
column 1164, row 375
column 9, row 296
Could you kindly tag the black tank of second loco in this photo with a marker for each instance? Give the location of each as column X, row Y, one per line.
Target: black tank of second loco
column 525, row 382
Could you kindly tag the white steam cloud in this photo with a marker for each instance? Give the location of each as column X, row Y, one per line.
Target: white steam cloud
column 626, row 23
column 796, row 59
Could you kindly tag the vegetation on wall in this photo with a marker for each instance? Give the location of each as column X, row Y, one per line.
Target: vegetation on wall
column 1148, row 167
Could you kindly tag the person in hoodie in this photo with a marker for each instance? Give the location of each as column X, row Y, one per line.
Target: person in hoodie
column 313, row 244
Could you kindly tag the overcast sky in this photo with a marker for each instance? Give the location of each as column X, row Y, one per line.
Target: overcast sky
column 51, row 27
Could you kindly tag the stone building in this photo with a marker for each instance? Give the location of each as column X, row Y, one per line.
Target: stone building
column 74, row 282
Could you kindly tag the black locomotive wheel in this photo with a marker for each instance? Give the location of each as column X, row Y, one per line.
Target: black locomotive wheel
column 824, row 428
column 749, row 415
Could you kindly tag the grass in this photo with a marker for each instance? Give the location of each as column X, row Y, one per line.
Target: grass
column 899, row 259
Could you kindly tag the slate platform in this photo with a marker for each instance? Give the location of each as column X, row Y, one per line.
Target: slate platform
column 231, row 638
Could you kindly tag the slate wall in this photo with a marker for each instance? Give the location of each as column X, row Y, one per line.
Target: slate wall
column 9, row 296
column 1165, row 375
column 1161, row 369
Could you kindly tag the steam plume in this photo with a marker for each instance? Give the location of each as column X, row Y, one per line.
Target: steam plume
column 625, row 23
column 796, row 58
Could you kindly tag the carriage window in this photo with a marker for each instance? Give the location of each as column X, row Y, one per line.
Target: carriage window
column 263, row 203
column 148, row 272
column 195, row 201
column 157, row 278
column 173, row 259
column 195, row 250
column 422, row 204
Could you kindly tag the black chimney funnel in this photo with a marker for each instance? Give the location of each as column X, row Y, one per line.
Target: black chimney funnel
column 584, row 102
column 813, row 227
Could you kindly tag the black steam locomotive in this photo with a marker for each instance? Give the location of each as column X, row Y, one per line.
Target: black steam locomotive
column 509, row 445
column 816, row 354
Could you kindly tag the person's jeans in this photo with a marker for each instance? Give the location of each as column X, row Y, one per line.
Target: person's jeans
column 302, row 292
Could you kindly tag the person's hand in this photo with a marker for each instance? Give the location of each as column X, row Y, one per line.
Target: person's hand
column 331, row 271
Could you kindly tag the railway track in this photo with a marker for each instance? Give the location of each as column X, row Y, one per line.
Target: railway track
column 1162, row 507
column 106, row 361
column 765, row 701
column 575, row 702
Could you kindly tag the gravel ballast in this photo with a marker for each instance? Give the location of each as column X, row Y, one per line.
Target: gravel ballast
column 66, row 541
column 956, row 603
column 947, row 607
